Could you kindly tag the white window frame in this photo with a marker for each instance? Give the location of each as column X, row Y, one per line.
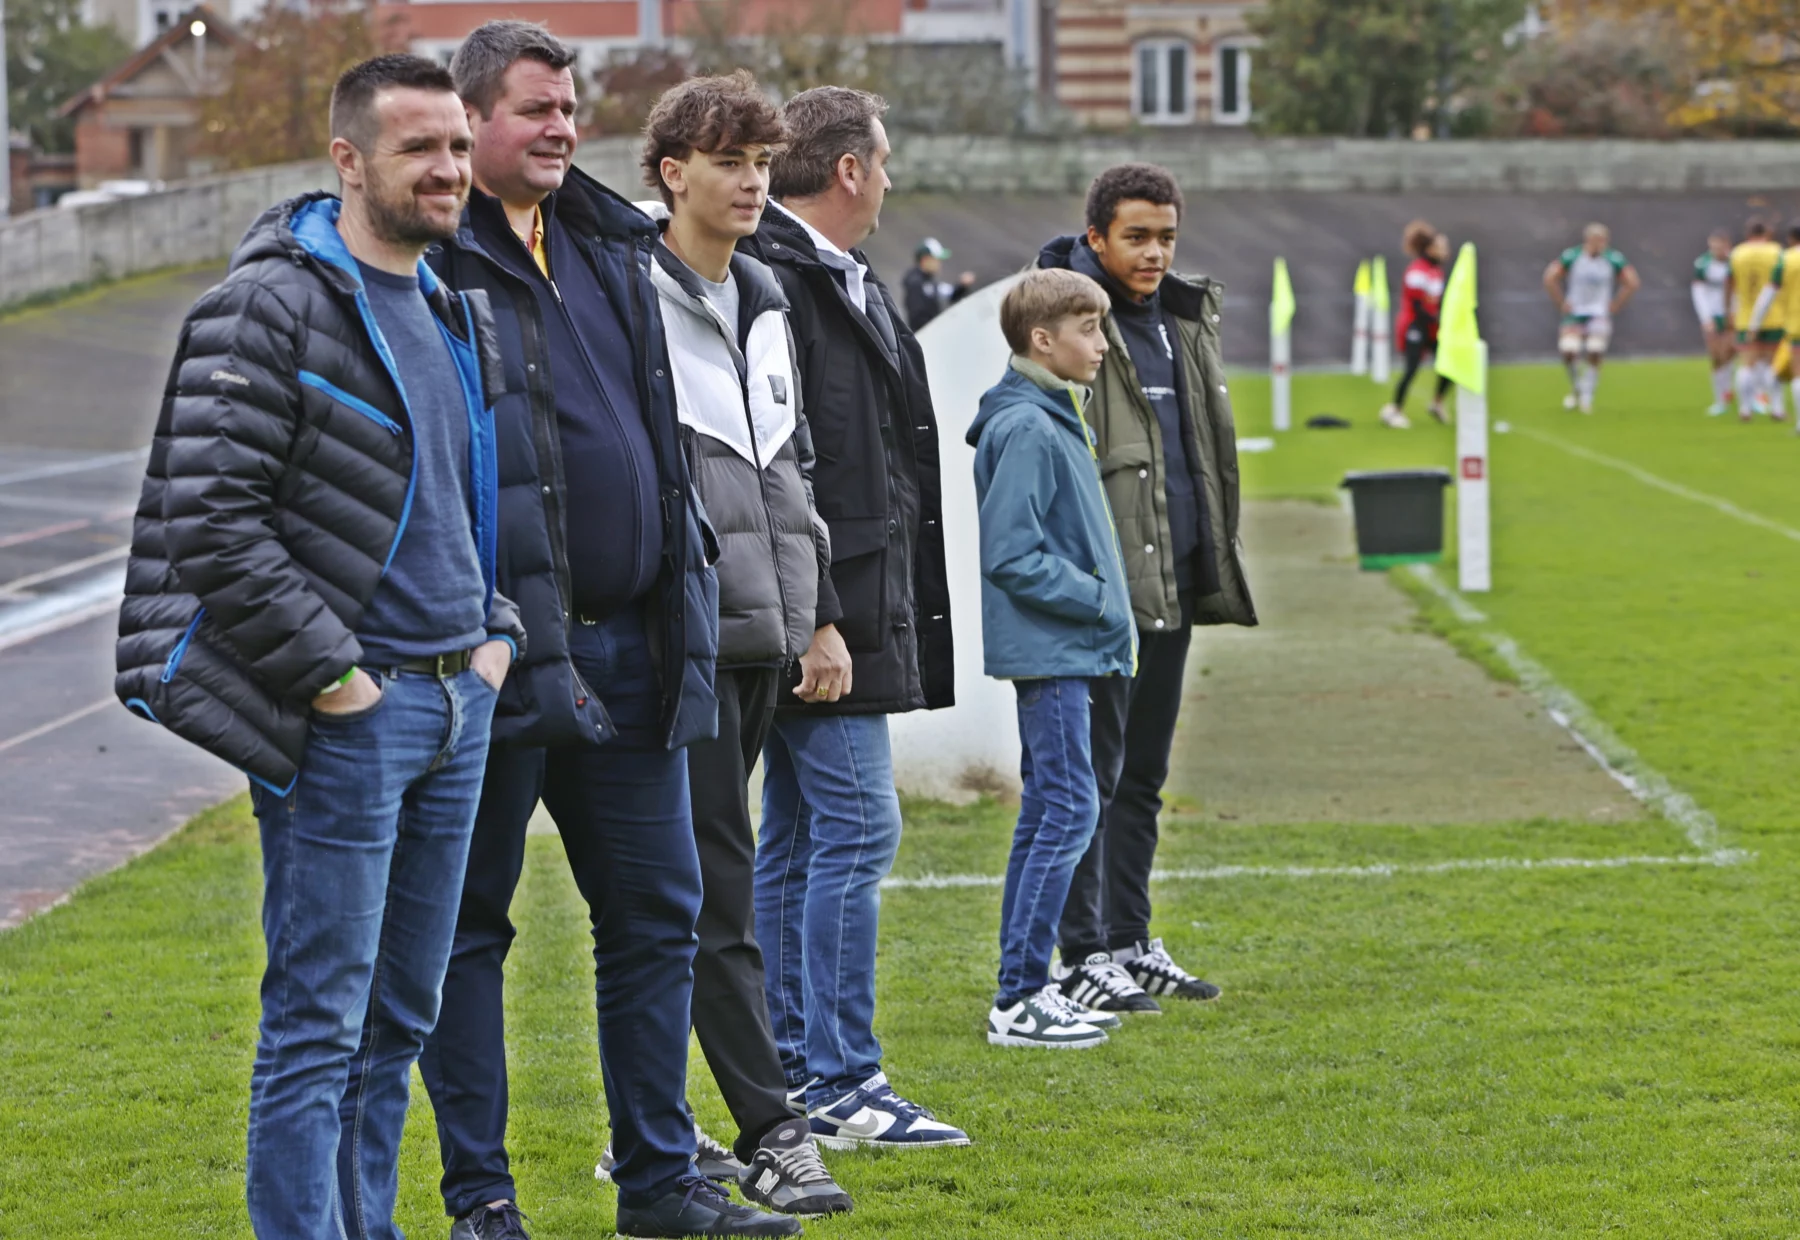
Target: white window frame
column 1240, row 48
column 1161, row 46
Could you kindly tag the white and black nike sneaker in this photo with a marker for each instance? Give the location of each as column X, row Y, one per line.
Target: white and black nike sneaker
column 787, row 1175
column 1101, row 983
column 1151, row 968
column 873, row 1114
column 1042, row 1020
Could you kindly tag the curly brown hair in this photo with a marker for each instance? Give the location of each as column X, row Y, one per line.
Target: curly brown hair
column 1417, row 238
column 707, row 114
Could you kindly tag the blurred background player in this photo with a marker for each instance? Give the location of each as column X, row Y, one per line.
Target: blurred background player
column 926, row 295
column 1711, row 290
column 1416, row 326
column 1789, row 299
column 1756, row 277
column 1590, row 283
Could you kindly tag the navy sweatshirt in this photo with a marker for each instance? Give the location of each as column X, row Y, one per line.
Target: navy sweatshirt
column 613, row 512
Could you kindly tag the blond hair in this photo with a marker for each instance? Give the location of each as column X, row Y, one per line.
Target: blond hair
column 1044, row 298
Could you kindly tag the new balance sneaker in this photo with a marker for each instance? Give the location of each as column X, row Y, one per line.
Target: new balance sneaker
column 787, row 1175
column 1151, row 968
column 712, row 1159
column 496, row 1222
column 873, row 1114
column 1042, row 1020
column 1102, row 984
column 698, row 1207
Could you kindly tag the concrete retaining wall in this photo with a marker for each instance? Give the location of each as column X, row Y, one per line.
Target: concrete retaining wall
column 201, row 220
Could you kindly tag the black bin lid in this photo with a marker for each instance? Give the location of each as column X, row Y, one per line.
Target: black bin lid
column 1379, row 477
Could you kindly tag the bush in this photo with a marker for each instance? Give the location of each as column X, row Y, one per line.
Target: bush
column 1607, row 78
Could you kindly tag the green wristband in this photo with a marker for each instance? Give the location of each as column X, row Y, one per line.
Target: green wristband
column 343, row 680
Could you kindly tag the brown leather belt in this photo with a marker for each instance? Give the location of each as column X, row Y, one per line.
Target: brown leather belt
column 442, row 666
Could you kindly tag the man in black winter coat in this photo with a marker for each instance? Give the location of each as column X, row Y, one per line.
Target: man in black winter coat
column 311, row 596
column 604, row 540
column 831, row 818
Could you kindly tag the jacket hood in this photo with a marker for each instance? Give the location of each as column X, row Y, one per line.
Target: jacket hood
column 1016, row 389
column 1182, row 296
column 305, row 228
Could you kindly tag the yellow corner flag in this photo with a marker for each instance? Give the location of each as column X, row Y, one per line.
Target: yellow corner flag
column 1361, row 287
column 1281, row 305
column 1461, row 353
column 1378, row 284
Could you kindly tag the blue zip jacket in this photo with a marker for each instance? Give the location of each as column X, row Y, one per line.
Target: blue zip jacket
column 1054, row 600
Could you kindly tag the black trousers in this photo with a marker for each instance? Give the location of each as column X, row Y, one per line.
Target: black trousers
column 1417, row 346
column 731, row 1008
column 1132, row 731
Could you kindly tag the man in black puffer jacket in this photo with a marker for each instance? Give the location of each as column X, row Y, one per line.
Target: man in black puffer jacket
column 311, row 596
column 831, row 817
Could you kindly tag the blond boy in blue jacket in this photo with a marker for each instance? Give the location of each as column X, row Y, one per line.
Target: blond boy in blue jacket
column 1055, row 615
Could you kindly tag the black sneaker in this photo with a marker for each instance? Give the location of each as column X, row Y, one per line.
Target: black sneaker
column 1151, row 968
column 501, row 1222
column 1101, row 983
column 786, row 1174
column 698, row 1207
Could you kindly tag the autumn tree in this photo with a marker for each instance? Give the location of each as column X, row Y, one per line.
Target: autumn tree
column 1373, row 67
column 276, row 101
column 51, row 55
column 1609, row 77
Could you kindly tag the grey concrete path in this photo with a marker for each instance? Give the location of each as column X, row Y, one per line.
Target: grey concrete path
column 1338, row 708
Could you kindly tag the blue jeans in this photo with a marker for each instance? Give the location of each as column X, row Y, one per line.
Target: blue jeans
column 622, row 809
column 830, row 828
column 362, row 862
column 1058, row 811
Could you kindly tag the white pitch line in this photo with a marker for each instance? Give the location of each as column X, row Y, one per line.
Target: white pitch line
column 1663, row 484
column 35, row 472
column 44, row 729
column 53, row 613
column 65, row 570
column 1602, row 744
column 1717, row 857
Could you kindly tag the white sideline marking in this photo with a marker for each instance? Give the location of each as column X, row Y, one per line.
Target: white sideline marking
column 71, row 467
column 1615, row 757
column 65, row 570
column 55, row 612
column 1718, row 857
column 1663, row 484
column 45, row 728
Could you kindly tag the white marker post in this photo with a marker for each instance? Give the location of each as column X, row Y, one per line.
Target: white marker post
column 1473, row 548
column 1359, row 326
column 1381, row 327
column 1281, row 349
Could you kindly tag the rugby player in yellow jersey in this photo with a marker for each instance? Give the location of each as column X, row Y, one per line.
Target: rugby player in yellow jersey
column 1756, row 277
column 1789, row 302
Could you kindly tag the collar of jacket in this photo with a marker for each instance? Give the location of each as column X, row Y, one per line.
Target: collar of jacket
column 1182, row 296
column 758, row 288
column 1048, row 381
column 781, row 232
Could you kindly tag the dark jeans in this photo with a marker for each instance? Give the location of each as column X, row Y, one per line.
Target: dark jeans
column 830, row 830
column 1417, row 346
column 731, row 1010
column 361, row 864
column 1134, row 728
column 622, row 810
column 1059, row 807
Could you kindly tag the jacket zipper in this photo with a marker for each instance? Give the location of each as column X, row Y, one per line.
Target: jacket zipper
column 762, row 483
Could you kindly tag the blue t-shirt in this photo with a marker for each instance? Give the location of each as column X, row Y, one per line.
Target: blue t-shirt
column 433, row 599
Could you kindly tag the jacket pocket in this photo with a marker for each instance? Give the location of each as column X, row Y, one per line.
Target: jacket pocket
column 320, row 383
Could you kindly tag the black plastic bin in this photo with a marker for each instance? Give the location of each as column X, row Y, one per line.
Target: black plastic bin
column 1399, row 515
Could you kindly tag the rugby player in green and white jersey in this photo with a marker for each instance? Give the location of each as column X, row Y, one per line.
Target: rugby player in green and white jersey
column 1590, row 283
column 1711, row 290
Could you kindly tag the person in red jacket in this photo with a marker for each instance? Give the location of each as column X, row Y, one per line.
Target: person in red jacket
column 1416, row 326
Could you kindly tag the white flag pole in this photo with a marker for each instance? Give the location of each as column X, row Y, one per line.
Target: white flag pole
column 1281, row 379
column 1381, row 331
column 1473, row 548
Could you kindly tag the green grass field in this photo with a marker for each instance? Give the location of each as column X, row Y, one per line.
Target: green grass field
column 1464, row 1054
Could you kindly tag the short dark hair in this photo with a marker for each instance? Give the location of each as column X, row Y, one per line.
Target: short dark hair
column 353, row 97
column 823, row 125
column 494, row 47
column 1756, row 226
column 1794, row 233
column 707, row 114
column 1126, row 183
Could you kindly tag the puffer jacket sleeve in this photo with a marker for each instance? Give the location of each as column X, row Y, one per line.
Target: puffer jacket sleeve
column 235, row 410
column 1021, row 464
column 829, row 610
